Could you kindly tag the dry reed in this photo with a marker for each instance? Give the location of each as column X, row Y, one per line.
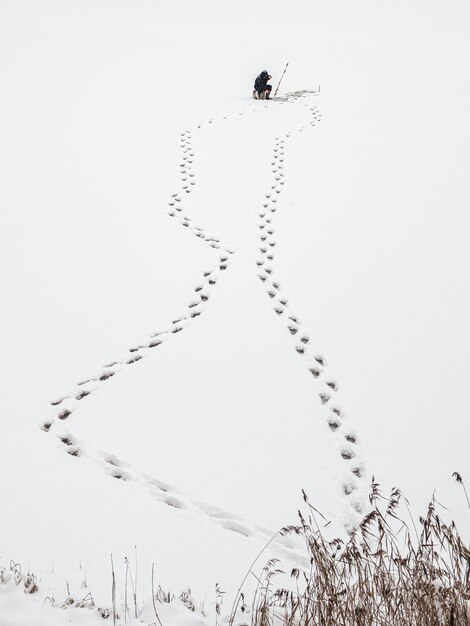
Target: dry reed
column 382, row 575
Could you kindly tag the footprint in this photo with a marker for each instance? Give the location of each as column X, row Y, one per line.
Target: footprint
column 119, row 475
column 134, row 359
column 112, row 460
column 82, row 394
column 315, row 371
column 236, row 528
column 66, row 440
column 174, row 502
column 57, row 402
column 85, row 382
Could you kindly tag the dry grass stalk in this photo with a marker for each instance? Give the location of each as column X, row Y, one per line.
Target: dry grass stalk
column 113, row 592
column 154, row 597
column 381, row 576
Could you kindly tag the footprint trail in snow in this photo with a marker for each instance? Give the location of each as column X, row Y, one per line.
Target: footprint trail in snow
column 65, row 406
column 325, row 384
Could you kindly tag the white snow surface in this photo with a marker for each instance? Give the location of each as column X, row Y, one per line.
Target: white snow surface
column 138, row 176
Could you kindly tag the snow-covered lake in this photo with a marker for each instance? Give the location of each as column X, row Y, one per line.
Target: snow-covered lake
column 210, row 302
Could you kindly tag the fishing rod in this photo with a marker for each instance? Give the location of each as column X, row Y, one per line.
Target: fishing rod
column 282, row 76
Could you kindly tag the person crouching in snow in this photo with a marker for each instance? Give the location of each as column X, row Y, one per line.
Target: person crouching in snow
column 262, row 90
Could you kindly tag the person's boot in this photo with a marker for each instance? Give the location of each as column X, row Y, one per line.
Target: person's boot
column 255, row 95
column 267, row 95
column 262, row 95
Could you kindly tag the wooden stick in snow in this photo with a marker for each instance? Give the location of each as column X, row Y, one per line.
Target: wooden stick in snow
column 282, row 76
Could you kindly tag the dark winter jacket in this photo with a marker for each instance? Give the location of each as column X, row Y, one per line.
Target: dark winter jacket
column 261, row 81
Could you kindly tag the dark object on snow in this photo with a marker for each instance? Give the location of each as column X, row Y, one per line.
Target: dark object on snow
column 262, row 90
